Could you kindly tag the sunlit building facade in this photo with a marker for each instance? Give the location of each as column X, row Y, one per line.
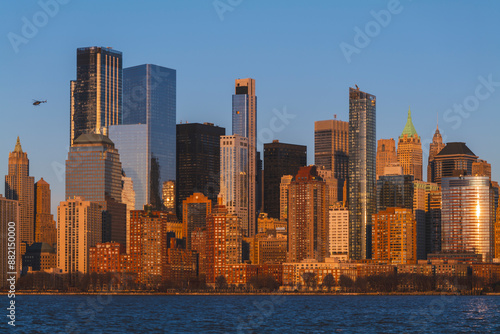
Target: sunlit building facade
column 467, row 218
column 338, row 232
column 195, row 210
column 362, row 171
column 410, row 150
column 45, row 226
column 9, row 215
column 386, row 155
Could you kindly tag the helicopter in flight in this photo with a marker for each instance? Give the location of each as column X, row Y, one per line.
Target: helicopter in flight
column 37, row 103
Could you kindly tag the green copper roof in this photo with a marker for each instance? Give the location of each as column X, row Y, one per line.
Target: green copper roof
column 18, row 146
column 409, row 128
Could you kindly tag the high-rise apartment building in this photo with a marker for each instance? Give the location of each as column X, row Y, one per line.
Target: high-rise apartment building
column 9, row 240
column 410, row 150
column 79, row 227
column 45, row 226
column 198, row 161
column 452, row 159
column 284, row 188
column 234, row 178
column 307, row 217
column 279, row 159
column 434, row 148
column 94, row 173
column 96, row 94
column 467, row 216
column 386, row 155
column 395, row 236
column 331, row 150
column 20, row 186
column 128, row 198
column 146, row 140
column 338, row 231
column 362, row 160
column 244, row 122
column 195, row 210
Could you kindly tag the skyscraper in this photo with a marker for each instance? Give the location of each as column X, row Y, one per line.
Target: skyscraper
column 284, row 189
column 234, row 178
column 79, row 227
column 96, row 94
column 195, row 210
column 434, row 148
column 45, row 226
column 467, row 217
column 146, row 140
column 9, row 233
column 198, row 161
column 362, row 160
column 279, row 159
column 410, row 150
column 452, row 159
column 94, row 173
column 245, row 124
column 331, row 150
column 424, row 195
column 386, row 155
column 307, row 217
column 338, row 232
column 394, row 191
column 20, row 186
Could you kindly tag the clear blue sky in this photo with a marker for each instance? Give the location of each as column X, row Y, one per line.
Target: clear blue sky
column 429, row 56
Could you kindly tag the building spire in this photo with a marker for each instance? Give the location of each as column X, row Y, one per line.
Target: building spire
column 18, row 147
column 409, row 129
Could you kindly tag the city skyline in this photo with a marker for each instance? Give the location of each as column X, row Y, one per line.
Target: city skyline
column 430, row 93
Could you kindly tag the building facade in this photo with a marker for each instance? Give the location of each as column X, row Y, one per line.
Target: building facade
column 195, row 210
column 96, row 94
column 454, row 159
column 338, row 231
column 9, row 240
column 394, row 191
column 146, row 140
column 244, row 121
column 362, row 171
column 279, row 159
column 198, row 160
column 410, row 150
column 386, row 155
column 45, row 226
column 434, row 148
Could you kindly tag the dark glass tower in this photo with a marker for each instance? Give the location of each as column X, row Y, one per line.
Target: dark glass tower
column 96, row 94
column 198, row 161
column 280, row 159
column 146, row 140
column 394, row 191
column 362, row 160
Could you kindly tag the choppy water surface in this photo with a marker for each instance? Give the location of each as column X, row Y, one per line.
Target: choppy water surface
column 255, row 314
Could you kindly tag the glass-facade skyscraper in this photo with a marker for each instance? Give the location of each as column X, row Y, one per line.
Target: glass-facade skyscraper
column 362, row 161
column 96, row 94
column 146, row 140
column 244, row 121
column 467, row 216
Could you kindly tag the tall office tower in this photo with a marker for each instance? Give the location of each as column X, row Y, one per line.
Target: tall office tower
column 395, row 191
column 423, row 216
column 286, row 180
column 481, row 168
column 20, row 186
column 395, row 236
column 9, row 216
column 198, row 161
column 195, row 210
column 386, row 155
column 434, row 148
column 410, row 150
column 331, row 150
column 94, row 172
column 223, row 242
column 148, row 245
column 454, row 159
column 435, row 221
column 496, row 230
column 467, row 216
column 279, row 159
column 128, row 198
column 234, row 178
column 362, row 145
column 259, row 192
column 245, row 124
column 307, row 217
column 79, row 227
column 96, row 94
column 146, row 140
column 45, row 226
column 168, row 196
column 339, row 231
